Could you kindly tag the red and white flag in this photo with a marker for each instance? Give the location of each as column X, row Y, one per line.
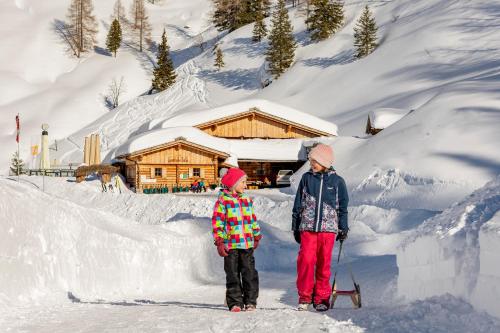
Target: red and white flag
column 18, row 129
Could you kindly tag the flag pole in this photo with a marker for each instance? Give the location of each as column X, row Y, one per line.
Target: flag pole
column 17, row 125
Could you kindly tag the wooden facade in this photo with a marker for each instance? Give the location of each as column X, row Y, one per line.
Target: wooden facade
column 177, row 163
column 257, row 124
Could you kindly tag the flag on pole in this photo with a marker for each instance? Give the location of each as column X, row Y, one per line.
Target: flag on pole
column 17, row 128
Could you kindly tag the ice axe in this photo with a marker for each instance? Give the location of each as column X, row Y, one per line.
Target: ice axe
column 355, row 293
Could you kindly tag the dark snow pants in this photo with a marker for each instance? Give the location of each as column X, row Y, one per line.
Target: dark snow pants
column 242, row 279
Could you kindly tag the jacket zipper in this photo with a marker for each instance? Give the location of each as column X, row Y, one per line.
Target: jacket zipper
column 319, row 203
column 241, row 211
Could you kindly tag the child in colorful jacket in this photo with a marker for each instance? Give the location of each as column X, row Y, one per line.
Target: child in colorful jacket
column 237, row 234
column 319, row 218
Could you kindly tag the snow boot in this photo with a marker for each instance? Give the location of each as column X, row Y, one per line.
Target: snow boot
column 250, row 307
column 321, row 307
column 303, row 307
column 235, row 308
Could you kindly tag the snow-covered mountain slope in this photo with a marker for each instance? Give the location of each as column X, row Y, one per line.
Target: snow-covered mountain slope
column 449, row 141
column 45, row 85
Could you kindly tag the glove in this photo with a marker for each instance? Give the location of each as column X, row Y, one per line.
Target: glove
column 341, row 235
column 256, row 241
column 296, row 235
column 221, row 248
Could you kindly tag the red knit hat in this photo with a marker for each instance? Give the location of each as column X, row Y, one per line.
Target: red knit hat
column 232, row 177
column 323, row 154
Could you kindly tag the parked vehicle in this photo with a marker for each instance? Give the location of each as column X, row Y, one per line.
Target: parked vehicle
column 283, row 177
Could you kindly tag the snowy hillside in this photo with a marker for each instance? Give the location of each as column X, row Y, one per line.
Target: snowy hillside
column 424, row 192
column 45, row 85
column 440, row 152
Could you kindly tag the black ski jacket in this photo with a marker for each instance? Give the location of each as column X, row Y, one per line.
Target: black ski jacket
column 320, row 203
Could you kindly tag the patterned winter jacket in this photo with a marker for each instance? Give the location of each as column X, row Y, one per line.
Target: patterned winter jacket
column 320, row 203
column 234, row 220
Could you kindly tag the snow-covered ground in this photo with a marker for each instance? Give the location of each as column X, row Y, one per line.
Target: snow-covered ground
column 147, row 263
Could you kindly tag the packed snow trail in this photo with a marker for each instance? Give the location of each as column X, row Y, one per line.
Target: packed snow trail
column 133, row 274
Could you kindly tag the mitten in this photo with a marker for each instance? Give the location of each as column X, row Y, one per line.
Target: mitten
column 256, row 241
column 221, row 248
column 341, row 235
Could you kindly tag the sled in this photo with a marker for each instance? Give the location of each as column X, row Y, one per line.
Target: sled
column 354, row 294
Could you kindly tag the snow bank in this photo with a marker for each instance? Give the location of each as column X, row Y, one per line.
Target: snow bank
column 384, row 117
column 453, row 253
column 486, row 295
column 58, row 246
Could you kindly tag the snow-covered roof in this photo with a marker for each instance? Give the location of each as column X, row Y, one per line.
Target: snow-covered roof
column 253, row 149
column 195, row 118
column 165, row 135
column 385, row 117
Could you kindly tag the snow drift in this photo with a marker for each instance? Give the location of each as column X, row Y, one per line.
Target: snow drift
column 455, row 252
column 57, row 246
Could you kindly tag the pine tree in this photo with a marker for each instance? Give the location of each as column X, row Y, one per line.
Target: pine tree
column 259, row 28
column 164, row 74
column 114, row 37
column 119, row 12
column 219, row 59
column 82, row 26
column 233, row 14
column 365, row 34
column 325, row 19
column 16, row 164
column 282, row 44
column 140, row 23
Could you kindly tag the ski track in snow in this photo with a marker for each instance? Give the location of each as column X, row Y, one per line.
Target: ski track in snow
column 136, row 116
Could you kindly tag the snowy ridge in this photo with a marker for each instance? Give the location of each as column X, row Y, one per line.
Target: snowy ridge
column 452, row 252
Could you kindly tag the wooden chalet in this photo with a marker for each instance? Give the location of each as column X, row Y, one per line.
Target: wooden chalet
column 210, row 142
column 178, row 162
column 255, row 123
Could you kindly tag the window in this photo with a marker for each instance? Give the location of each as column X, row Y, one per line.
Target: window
column 196, row 172
column 260, row 172
column 158, row 172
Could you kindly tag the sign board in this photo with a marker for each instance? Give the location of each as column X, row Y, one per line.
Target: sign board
column 184, row 176
column 147, row 180
column 34, row 150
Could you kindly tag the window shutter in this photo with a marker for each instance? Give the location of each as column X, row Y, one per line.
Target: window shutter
column 202, row 172
column 164, row 172
column 190, row 172
column 152, row 173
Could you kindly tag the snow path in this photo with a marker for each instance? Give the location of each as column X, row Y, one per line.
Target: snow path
column 197, row 306
column 200, row 309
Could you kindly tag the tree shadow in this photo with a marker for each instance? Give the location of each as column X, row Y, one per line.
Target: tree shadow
column 491, row 166
column 146, row 302
column 343, row 58
column 102, row 51
column 236, row 79
column 247, row 47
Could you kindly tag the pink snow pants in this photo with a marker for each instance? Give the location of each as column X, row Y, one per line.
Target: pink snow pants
column 313, row 263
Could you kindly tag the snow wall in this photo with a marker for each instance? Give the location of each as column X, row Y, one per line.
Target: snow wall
column 456, row 252
column 57, row 246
